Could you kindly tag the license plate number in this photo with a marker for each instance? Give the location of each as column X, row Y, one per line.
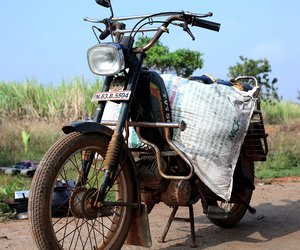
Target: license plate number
column 112, row 96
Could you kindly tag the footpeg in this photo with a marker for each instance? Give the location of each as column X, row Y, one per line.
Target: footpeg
column 251, row 209
column 215, row 212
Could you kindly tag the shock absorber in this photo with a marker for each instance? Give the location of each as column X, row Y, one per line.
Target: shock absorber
column 111, row 163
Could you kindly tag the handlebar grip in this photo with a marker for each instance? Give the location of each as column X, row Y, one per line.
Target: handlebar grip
column 206, row 24
column 104, row 34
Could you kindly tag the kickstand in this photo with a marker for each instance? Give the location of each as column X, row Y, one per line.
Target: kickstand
column 190, row 219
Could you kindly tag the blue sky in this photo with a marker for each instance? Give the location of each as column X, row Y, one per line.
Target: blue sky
column 47, row 40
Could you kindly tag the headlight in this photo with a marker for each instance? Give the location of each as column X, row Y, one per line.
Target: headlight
column 106, row 59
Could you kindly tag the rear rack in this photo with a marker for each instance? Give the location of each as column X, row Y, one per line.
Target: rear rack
column 255, row 143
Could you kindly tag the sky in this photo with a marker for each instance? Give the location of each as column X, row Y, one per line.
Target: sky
column 48, row 40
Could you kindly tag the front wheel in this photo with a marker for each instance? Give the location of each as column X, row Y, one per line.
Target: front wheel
column 243, row 186
column 65, row 212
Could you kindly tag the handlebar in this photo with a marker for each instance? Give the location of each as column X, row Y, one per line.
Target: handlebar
column 206, row 24
column 186, row 18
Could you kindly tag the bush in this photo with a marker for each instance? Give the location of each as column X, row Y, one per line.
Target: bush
column 284, row 151
column 31, row 100
column 280, row 112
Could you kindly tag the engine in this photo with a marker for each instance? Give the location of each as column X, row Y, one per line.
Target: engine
column 155, row 188
column 148, row 172
column 178, row 193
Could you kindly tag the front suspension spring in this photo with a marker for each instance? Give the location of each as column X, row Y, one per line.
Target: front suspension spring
column 113, row 153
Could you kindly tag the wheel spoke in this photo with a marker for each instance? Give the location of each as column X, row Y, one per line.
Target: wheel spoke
column 79, row 220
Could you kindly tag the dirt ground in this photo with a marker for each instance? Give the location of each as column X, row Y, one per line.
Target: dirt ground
column 276, row 225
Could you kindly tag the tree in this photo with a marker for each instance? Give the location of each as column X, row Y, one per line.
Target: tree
column 259, row 69
column 183, row 62
column 298, row 95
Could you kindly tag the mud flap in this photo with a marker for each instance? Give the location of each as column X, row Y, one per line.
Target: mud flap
column 139, row 233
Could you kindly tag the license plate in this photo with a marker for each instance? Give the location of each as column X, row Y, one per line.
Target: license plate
column 112, row 96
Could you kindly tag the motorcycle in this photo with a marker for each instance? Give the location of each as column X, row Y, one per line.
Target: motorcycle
column 92, row 191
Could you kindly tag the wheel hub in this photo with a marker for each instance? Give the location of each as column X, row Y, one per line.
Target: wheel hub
column 82, row 203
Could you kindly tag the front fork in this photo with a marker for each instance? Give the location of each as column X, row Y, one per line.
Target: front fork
column 114, row 150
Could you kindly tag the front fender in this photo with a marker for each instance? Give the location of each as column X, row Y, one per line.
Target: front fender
column 86, row 127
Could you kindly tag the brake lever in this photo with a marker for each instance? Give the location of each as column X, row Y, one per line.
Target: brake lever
column 186, row 28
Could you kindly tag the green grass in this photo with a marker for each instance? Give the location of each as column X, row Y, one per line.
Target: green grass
column 6, row 213
column 279, row 164
column 284, row 151
column 10, row 184
column 280, row 112
column 32, row 100
column 42, row 135
column 71, row 100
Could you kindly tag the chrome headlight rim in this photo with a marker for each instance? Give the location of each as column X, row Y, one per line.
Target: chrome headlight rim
column 106, row 59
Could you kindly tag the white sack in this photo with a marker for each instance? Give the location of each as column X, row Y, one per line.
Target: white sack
column 217, row 118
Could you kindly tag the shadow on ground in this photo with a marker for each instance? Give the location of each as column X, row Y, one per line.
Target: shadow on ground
column 269, row 223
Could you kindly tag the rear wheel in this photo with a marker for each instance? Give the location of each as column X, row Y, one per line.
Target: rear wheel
column 243, row 187
column 64, row 210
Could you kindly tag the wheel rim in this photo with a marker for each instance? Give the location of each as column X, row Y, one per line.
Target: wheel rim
column 78, row 222
column 231, row 208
